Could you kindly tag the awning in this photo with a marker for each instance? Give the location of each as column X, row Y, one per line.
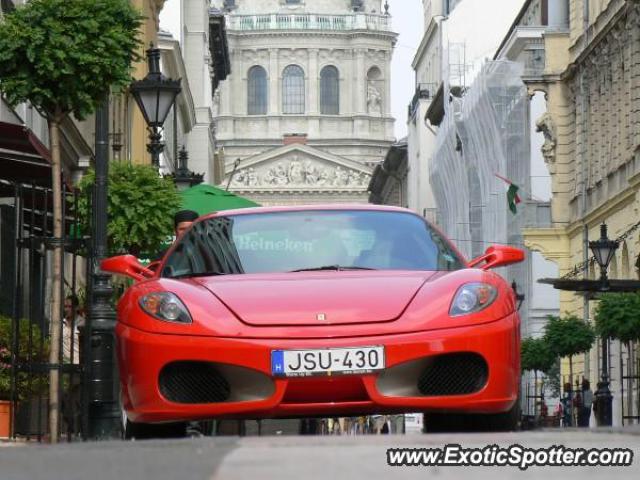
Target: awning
column 206, row 199
column 435, row 111
column 23, row 157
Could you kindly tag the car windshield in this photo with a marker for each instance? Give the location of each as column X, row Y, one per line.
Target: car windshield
column 310, row 240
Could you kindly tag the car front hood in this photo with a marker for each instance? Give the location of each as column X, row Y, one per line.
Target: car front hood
column 317, row 298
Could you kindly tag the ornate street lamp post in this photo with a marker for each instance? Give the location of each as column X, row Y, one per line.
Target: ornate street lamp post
column 185, row 178
column 155, row 94
column 603, row 250
column 103, row 410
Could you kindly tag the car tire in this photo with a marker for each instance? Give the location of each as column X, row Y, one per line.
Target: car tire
column 147, row 431
column 496, row 422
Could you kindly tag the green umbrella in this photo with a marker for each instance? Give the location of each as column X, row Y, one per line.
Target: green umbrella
column 206, row 199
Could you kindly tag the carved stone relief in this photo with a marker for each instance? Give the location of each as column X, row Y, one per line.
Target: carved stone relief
column 376, row 56
column 299, row 172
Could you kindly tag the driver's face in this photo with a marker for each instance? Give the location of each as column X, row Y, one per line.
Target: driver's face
column 182, row 226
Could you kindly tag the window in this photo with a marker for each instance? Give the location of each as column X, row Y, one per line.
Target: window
column 293, row 90
column 257, row 91
column 329, row 91
column 289, row 241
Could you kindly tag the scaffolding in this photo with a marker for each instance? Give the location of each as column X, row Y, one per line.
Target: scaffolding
column 484, row 132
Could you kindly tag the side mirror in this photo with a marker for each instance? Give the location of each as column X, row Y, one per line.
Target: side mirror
column 126, row 265
column 498, row 256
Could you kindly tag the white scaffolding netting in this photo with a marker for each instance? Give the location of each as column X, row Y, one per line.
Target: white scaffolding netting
column 483, row 133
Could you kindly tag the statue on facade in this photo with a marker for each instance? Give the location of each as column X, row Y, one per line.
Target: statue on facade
column 216, row 102
column 252, row 177
column 546, row 125
column 296, row 175
column 341, row 177
column 270, row 177
column 239, row 178
column 310, row 173
column 325, row 177
column 374, row 99
column 280, row 174
column 353, row 179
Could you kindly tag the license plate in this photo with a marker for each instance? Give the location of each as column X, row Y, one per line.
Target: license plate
column 332, row 361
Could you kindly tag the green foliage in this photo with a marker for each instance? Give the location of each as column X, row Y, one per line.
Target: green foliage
column 64, row 55
column 536, row 355
column 141, row 207
column 568, row 335
column 618, row 316
column 34, row 349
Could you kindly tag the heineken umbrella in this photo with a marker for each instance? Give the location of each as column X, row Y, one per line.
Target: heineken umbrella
column 207, row 198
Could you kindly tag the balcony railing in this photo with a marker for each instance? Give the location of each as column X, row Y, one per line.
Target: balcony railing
column 309, row 21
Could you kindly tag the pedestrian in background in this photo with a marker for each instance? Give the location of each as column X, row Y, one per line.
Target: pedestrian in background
column 567, row 406
column 584, row 412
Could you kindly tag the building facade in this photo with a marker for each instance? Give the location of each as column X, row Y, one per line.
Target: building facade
column 421, row 133
column 305, row 115
column 197, row 53
column 590, row 77
column 388, row 185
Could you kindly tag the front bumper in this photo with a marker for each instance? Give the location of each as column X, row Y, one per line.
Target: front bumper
column 143, row 355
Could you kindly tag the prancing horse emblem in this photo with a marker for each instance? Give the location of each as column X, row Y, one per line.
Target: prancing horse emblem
column 321, row 317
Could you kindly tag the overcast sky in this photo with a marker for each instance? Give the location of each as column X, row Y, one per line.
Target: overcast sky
column 407, row 20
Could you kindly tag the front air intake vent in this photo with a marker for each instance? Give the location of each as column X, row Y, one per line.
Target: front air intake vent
column 454, row 374
column 193, row 382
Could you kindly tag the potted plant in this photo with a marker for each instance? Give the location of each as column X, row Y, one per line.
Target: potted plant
column 32, row 348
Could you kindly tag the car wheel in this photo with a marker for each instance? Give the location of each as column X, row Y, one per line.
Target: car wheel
column 451, row 422
column 145, row 431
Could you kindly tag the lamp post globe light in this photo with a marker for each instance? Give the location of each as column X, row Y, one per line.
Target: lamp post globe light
column 155, row 94
column 603, row 250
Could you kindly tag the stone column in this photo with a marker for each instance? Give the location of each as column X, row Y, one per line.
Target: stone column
column 274, row 75
column 313, row 86
column 386, row 101
column 225, row 97
column 360, row 90
column 238, row 84
column 313, row 82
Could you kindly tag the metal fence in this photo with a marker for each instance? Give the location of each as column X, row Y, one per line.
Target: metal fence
column 27, row 252
column 630, row 383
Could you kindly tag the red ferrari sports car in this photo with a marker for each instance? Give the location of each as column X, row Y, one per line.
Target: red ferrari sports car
column 319, row 311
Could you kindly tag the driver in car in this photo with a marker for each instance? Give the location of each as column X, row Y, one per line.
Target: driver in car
column 182, row 220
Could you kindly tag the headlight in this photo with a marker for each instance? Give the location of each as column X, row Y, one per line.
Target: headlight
column 471, row 298
column 165, row 306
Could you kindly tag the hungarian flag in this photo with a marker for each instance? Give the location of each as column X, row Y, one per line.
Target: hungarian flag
column 513, row 198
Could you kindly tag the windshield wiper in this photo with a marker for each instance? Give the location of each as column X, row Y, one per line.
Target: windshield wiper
column 331, row 267
column 200, row 274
